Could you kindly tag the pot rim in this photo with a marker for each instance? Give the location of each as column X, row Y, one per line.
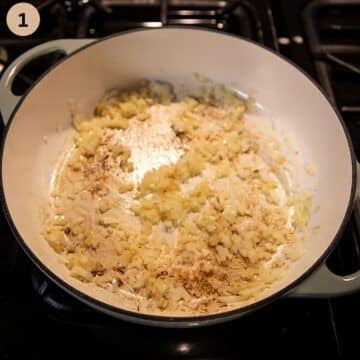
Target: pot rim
column 166, row 320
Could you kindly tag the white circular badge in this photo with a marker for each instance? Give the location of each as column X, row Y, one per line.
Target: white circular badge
column 23, row 19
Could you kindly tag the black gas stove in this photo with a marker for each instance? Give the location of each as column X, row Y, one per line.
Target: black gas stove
column 37, row 319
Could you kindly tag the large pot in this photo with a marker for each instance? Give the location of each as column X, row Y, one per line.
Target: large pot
column 172, row 54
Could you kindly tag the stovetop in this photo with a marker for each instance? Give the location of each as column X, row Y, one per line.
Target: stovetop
column 36, row 317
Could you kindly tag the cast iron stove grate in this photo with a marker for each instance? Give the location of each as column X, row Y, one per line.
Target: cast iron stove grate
column 333, row 33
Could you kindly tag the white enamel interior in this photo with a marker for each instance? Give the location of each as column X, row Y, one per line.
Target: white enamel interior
column 172, row 55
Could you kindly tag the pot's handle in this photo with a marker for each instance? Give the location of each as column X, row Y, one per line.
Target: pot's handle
column 8, row 100
column 323, row 282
